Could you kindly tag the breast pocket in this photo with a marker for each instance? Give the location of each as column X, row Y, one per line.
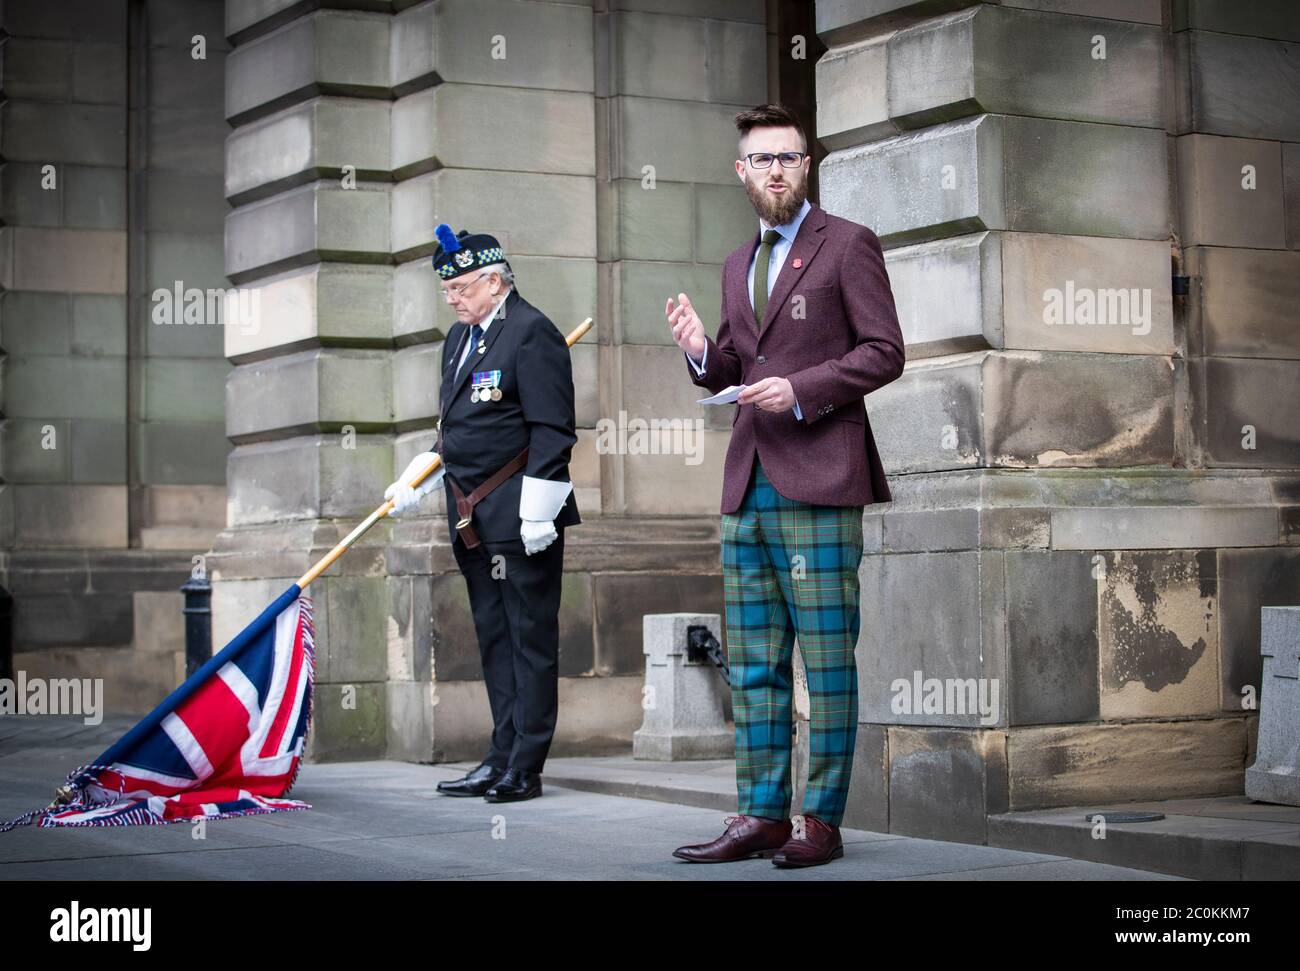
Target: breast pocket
column 817, row 305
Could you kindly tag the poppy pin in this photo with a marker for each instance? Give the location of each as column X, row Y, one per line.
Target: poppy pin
column 798, row 263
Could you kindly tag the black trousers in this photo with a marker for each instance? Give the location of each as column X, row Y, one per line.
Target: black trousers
column 515, row 600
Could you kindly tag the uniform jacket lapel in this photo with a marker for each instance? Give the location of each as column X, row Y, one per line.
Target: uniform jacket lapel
column 740, row 296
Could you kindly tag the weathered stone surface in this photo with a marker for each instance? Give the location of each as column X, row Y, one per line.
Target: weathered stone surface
column 33, row 131
column 1223, row 77
column 466, row 126
column 619, row 601
column 62, row 260
column 925, row 621
column 325, row 303
column 1158, row 635
column 338, row 51
column 307, row 477
column 853, row 94
column 677, row 141
column 1272, row 777
column 1243, row 302
column 1240, row 419
column 868, row 802
column 1100, row 527
column 1248, row 581
column 349, row 721
column 312, row 223
column 57, row 516
column 308, row 391
column 541, row 45
column 1051, row 638
column 1004, row 172
column 1074, row 765
column 1026, row 62
column 641, row 223
column 946, row 781
column 1266, row 18
column 1291, row 189
column 1230, row 192
column 561, row 208
column 638, row 291
column 174, row 453
column 306, row 141
column 687, row 58
column 948, row 294
column 177, row 389
column 684, row 701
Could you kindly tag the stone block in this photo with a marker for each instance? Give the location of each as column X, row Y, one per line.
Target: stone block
column 63, row 260
column 561, row 208
column 1239, row 419
column 177, row 79
column 180, row 389
column 349, row 722
column 307, row 224
column 943, row 783
column 931, row 417
column 941, row 663
column 333, row 51
column 620, row 601
column 1272, row 778
column 1159, row 526
column 868, row 801
column 190, row 259
column 94, row 197
column 1223, row 76
column 1004, row 172
column 1051, row 638
column 1079, row 765
column 178, row 203
column 323, row 389
column 468, row 126
column 244, row 15
column 52, row 516
column 672, row 471
column 654, row 386
column 640, row 223
column 174, row 25
column 102, row 20
column 410, row 721
column 34, row 131
column 724, row 221
column 1242, row 302
column 1249, row 581
column 356, row 628
column 98, row 452
column 853, row 94
column 1158, row 635
column 1291, row 190
column 188, row 140
column 687, row 58
column 1230, row 192
column 24, row 200
column 37, row 70
column 1270, row 18
column 327, row 303
column 516, row 44
column 50, row 387
column 1026, row 62
column 306, row 478
column 416, row 379
column 676, row 141
column 182, row 453
column 639, row 290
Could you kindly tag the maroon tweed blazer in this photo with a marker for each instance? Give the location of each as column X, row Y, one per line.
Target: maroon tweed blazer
column 846, row 344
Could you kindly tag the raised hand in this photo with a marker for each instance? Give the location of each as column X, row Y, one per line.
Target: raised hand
column 688, row 332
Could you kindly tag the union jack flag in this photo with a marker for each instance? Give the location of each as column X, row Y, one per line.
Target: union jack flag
column 227, row 742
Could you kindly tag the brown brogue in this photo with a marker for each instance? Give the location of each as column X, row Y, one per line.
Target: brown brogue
column 819, row 844
column 746, row 837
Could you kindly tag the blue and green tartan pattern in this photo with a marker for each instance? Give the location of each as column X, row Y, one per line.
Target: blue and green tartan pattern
column 791, row 569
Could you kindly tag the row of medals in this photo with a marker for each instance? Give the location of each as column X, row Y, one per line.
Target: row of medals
column 485, row 395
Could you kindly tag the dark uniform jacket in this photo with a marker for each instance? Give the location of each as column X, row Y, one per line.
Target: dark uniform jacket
column 536, row 412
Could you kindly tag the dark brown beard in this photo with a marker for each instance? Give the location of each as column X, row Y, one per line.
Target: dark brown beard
column 776, row 211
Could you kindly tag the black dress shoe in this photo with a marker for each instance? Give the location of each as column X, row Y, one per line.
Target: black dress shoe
column 475, row 784
column 515, row 786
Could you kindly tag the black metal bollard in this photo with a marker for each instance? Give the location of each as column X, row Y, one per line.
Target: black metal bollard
column 198, row 623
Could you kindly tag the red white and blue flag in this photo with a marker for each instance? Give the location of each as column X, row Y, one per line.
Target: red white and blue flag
column 227, row 742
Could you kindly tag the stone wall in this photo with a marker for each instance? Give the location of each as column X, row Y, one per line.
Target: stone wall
column 1089, row 510
column 112, row 446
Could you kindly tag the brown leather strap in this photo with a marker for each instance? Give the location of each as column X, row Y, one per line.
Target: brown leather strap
column 465, row 503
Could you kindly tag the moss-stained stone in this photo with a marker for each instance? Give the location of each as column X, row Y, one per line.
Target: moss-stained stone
column 349, row 721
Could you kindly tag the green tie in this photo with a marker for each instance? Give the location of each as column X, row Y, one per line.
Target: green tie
column 760, row 274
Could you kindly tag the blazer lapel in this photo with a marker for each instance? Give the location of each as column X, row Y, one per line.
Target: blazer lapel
column 493, row 332
column 805, row 247
column 740, row 296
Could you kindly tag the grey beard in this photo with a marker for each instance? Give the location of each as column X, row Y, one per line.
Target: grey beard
column 776, row 211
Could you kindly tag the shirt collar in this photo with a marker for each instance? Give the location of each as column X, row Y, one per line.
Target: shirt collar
column 491, row 314
column 791, row 229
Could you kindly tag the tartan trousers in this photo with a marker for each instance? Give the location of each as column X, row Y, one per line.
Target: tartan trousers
column 791, row 569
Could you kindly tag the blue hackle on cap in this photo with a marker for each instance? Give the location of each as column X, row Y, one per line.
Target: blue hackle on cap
column 450, row 244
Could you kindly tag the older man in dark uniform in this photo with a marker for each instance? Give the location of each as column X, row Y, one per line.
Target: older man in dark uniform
column 505, row 436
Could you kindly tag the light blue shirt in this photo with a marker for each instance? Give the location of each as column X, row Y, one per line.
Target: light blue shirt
column 775, row 260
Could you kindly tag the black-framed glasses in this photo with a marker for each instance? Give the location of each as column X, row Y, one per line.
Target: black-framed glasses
column 455, row 293
column 763, row 160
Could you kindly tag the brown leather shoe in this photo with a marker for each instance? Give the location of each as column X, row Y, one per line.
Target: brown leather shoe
column 746, row 837
column 820, row 844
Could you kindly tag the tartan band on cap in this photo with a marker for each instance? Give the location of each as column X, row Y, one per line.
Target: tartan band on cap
column 459, row 253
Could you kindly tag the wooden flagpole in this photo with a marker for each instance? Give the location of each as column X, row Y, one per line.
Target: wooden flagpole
column 324, row 562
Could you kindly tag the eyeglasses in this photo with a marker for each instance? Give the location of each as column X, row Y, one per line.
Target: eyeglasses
column 455, row 293
column 763, row 160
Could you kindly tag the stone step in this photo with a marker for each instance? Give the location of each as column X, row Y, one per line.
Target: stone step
column 1220, row 838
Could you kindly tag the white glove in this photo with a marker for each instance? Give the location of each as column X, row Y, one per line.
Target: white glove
column 537, row 535
column 404, row 495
